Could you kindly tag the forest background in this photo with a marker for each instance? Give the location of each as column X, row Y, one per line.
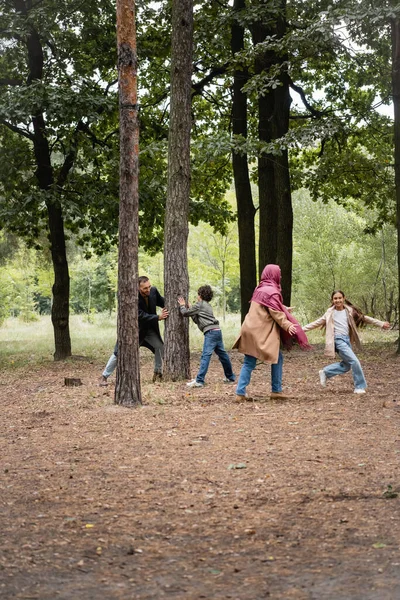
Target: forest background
column 328, row 155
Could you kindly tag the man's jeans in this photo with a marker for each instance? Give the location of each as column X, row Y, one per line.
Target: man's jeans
column 349, row 361
column 249, row 366
column 213, row 343
column 152, row 339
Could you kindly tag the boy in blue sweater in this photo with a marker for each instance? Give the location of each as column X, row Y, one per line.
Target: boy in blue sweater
column 202, row 314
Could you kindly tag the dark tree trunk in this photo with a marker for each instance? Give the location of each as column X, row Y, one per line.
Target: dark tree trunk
column 245, row 206
column 127, row 388
column 396, row 105
column 45, row 177
column 276, row 214
column 177, row 353
column 268, row 203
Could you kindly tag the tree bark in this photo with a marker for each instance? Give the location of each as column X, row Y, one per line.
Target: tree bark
column 245, row 205
column 396, row 105
column 45, row 177
column 127, row 388
column 177, row 353
column 276, row 214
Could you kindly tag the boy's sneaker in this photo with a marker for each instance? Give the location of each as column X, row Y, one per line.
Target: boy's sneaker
column 226, row 380
column 322, row 378
column 194, row 384
column 359, row 391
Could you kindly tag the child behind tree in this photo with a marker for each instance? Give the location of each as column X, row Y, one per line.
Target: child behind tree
column 202, row 314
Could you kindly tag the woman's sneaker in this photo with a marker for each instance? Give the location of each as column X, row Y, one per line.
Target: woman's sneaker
column 194, row 384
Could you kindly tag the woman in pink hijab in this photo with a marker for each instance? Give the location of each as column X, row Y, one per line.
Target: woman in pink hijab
column 267, row 324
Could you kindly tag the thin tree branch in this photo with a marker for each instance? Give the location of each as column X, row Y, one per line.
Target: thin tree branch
column 17, row 130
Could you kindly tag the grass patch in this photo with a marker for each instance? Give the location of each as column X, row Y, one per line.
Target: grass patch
column 95, row 338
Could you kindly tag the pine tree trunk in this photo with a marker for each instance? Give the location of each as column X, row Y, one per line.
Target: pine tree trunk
column 396, row 105
column 177, row 352
column 127, row 388
column 245, row 206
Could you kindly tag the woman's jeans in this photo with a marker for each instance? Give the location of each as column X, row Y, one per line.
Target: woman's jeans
column 249, row 366
column 349, row 361
column 213, row 343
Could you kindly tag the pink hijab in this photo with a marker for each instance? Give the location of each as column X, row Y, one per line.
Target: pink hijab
column 268, row 294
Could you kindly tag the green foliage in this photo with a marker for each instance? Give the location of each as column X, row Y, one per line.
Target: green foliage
column 332, row 251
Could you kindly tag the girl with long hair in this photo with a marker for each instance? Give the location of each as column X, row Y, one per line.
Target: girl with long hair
column 341, row 321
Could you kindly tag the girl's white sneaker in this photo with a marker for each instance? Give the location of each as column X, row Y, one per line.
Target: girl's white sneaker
column 359, row 391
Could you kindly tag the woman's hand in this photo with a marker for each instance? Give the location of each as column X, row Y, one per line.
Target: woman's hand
column 292, row 329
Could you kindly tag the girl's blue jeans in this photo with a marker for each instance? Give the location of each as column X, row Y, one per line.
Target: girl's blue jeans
column 349, row 361
column 248, row 367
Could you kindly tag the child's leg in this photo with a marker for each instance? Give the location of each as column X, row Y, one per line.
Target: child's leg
column 208, row 349
column 224, row 358
column 350, row 360
column 245, row 374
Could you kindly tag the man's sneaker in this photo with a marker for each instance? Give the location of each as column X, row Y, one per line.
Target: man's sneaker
column 226, row 380
column 157, row 377
column 322, row 378
column 103, row 381
column 194, row 384
column 359, row 391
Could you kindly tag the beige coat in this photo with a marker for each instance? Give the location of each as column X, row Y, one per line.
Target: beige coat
column 327, row 321
column 260, row 335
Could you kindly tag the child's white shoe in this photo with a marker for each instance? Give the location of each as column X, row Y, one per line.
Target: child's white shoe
column 322, row 378
column 194, row 384
column 359, row 391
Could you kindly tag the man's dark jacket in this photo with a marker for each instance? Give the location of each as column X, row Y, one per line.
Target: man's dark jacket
column 148, row 318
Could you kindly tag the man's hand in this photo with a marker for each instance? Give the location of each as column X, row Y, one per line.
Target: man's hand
column 164, row 314
column 386, row 325
column 181, row 301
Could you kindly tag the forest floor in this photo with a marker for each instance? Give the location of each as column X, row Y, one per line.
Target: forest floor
column 194, row 496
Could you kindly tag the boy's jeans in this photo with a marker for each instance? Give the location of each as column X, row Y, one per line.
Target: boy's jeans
column 213, row 343
column 249, row 366
column 349, row 361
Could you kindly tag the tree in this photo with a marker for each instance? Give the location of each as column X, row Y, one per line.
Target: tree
column 177, row 355
column 127, row 388
column 52, row 100
column 245, row 206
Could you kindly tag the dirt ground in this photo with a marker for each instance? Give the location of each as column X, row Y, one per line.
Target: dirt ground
column 193, row 496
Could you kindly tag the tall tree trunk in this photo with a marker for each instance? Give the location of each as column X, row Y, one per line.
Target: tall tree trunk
column 127, row 388
column 245, row 206
column 268, row 204
column 45, row 177
column 283, row 192
column 177, row 353
column 276, row 213
column 396, row 104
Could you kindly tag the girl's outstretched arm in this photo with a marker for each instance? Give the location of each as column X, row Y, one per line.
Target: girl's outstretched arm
column 376, row 322
column 319, row 323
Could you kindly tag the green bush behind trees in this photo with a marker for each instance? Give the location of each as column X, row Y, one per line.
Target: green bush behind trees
column 331, row 250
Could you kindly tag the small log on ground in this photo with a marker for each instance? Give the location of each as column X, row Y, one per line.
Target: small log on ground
column 72, row 381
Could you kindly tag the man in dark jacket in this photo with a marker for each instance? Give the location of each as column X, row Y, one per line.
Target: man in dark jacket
column 149, row 330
